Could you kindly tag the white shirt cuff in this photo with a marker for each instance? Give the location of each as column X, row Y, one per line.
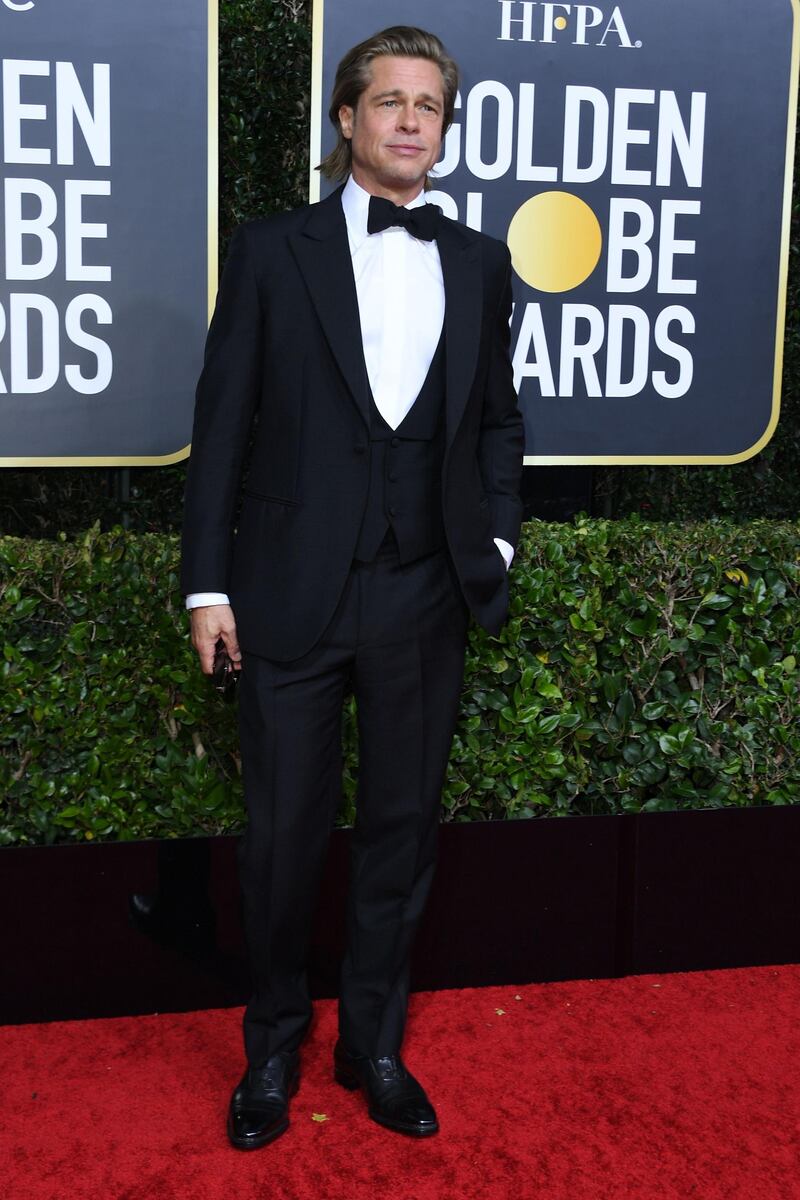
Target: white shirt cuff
column 204, row 599
column 506, row 549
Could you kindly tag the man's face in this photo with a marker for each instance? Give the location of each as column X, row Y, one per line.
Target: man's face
column 396, row 129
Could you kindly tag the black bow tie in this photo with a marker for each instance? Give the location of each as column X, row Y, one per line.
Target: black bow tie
column 421, row 222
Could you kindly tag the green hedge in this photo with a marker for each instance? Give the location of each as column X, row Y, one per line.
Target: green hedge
column 644, row 667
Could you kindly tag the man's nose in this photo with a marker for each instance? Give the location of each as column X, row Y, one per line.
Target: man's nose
column 408, row 117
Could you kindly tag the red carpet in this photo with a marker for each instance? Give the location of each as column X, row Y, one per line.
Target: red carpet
column 653, row 1086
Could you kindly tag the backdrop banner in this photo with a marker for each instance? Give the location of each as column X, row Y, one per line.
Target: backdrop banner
column 107, row 227
column 637, row 158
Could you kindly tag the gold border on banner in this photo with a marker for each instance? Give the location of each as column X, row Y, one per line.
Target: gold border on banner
column 610, row 460
column 315, row 148
column 212, row 256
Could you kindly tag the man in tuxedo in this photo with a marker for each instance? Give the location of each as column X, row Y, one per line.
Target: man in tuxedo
column 357, row 399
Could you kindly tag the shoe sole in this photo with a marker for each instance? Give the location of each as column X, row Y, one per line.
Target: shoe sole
column 410, row 1131
column 351, row 1081
column 257, row 1143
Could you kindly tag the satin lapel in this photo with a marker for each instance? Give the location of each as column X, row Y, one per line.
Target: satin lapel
column 322, row 252
column 463, row 299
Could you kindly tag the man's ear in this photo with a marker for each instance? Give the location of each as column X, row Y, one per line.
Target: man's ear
column 346, row 114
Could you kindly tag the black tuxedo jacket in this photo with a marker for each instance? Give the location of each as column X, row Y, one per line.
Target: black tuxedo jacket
column 281, row 423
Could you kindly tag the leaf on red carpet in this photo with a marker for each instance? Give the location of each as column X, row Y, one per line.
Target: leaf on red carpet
column 319, row 1116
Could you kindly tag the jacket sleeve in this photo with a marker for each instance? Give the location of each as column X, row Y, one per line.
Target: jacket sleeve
column 502, row 437
column 227, row 396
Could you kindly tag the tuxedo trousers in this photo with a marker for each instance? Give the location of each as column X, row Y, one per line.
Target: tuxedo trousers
column 397, row 640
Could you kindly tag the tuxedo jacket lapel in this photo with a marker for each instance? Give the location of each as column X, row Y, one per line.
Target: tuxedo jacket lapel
column 322, row 252
column 463, row 301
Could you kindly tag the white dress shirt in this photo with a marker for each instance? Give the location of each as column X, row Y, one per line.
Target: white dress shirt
column 400, row 292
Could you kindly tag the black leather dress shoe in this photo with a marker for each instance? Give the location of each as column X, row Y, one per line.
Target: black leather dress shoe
column 395, row 1098
column 259, row 1108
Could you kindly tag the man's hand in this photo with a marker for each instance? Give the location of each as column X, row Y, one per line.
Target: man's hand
column 208, row 625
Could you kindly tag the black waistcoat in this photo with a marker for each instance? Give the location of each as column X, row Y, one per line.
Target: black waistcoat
column 405, row 473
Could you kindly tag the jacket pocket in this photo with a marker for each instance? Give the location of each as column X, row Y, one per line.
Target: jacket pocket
column 256, row 495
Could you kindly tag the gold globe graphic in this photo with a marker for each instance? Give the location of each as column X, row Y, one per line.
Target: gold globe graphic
column 555, row 241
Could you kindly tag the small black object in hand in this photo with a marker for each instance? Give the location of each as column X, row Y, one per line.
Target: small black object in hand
column 224, row 675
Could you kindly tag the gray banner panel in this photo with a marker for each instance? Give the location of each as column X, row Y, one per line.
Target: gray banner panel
column 107, row 229
column 636, row 157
